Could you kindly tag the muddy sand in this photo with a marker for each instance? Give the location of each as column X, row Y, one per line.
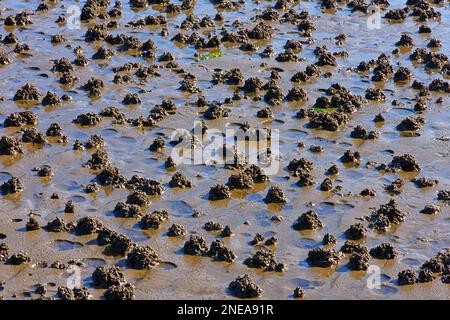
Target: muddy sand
column 95, row 206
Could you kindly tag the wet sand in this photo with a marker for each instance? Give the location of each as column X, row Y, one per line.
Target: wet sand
column 417, row 239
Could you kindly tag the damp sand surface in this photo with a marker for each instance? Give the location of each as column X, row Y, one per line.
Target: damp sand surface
column 419, row 238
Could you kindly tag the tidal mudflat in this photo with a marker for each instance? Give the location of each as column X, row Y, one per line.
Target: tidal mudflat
column 353, row 99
